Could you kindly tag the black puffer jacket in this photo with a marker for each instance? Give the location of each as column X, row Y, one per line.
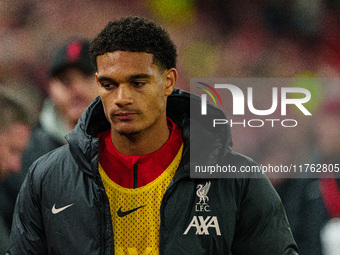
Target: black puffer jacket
column 242, row 216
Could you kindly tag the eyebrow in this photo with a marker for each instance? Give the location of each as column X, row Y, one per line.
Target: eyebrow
column 104, row 78
column 130, row 78
column 139, row 76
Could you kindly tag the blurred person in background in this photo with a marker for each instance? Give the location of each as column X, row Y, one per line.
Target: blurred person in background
column 313, row 205
column 15, row 131
column 328, row 148
column 71, row 89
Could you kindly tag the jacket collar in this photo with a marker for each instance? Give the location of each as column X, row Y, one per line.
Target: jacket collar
column 196, row 131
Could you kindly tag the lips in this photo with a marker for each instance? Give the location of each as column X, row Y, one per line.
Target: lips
column 124, row 115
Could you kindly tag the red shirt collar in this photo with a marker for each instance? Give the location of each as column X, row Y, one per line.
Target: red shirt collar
column 119, row 167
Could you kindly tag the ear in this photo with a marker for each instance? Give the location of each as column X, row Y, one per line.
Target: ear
column 98, row 83
column 97, row 79
column 170, row 76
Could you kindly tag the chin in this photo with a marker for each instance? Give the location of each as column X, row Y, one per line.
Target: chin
column 128, row 132
column 125, row 129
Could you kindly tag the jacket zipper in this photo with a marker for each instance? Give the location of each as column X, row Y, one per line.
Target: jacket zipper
column 135, row 175
column 175, row 179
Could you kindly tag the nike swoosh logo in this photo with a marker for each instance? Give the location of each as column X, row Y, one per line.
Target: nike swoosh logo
column 122, row 214
column 55, row 210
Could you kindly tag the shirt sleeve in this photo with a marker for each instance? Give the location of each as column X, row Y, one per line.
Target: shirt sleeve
column 262, row 226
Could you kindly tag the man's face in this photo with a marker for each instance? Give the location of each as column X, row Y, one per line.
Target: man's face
column 13, row 142
column 72, row 91
column 134, row 91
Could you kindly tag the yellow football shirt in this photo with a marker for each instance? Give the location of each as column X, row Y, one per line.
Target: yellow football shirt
column 135, row 213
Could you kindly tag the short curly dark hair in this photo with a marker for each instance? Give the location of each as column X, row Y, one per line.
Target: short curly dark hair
column 135, row 34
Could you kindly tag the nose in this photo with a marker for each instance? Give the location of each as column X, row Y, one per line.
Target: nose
column 76, row 87
column 123, row 95
column 14, row 164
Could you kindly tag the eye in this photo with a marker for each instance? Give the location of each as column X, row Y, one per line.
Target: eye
column 138, row 83
column 107, row 85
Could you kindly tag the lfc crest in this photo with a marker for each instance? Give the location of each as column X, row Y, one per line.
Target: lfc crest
column 202, row 193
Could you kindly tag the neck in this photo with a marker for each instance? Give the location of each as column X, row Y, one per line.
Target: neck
column 71, row 125
column 142, row 143
column 3, row 175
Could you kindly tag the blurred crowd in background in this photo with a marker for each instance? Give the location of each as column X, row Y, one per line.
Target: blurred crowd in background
column 216, row 38
column 219, row 38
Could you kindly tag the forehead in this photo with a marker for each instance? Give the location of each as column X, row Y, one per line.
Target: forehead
column 125, row 61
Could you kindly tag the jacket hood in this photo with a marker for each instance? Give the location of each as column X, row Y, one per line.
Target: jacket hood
column 182, row 107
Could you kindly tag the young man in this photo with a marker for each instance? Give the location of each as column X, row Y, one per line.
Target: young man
column 122, row 185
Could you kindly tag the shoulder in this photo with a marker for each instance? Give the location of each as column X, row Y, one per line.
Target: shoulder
column 250, row 185
column 52, row 163
column 41, row 142
column 40, row 135
column 239, row 159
